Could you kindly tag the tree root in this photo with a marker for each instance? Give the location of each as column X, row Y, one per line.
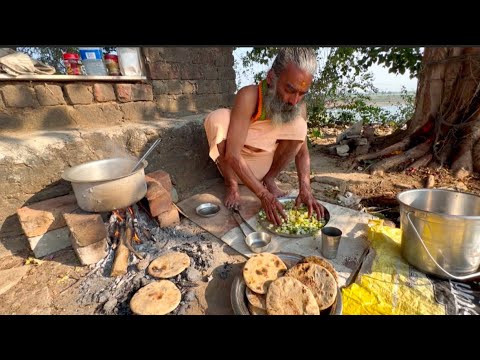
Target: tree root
column 402, row 145
column 408, row 156
column 423, row 161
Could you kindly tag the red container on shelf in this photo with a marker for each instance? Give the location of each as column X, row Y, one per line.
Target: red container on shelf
column 73, row 65
column 111, row 61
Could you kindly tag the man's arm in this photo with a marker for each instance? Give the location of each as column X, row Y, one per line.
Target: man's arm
column 302, row 163
column 240, row 118
column 241, row 114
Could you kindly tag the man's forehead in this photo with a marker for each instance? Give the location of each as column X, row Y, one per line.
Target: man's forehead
column 298, row 78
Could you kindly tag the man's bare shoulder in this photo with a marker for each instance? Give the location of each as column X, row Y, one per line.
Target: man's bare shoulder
column 246, row 100
column 249, row 92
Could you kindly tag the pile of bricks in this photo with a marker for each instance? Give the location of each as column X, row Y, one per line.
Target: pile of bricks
column 58, row 223
column 159, row 196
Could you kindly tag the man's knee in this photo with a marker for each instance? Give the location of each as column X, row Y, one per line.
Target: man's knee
column 292, row 145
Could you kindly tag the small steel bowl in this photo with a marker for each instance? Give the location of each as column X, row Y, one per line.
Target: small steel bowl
column 258, row 241
column 207, row 210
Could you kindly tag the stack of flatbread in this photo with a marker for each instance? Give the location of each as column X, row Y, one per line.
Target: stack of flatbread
column 305, row 289
column 161, row 297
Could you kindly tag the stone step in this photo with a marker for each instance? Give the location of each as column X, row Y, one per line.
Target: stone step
column 32, row 164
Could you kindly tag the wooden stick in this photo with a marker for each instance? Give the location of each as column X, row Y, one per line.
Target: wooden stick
column 120, row 263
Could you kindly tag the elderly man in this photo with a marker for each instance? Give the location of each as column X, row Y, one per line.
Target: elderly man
column 264, row 131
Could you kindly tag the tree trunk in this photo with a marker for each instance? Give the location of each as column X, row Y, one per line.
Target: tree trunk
column 445, row 127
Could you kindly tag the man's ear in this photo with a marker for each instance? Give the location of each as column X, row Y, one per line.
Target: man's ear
column 269, row 77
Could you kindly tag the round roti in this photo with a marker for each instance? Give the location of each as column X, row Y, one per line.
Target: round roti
column 261, row 269
column 255, row 310
column 288, row 296
column 257, row 300
column 168, row 265
column 322, row 262
column 319, row 280
column 157, row 298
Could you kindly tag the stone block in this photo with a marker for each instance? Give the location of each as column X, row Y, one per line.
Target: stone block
column 39, row 218
column 103, row 92
column 49, row 95
column 50, row 242
column 86, row 228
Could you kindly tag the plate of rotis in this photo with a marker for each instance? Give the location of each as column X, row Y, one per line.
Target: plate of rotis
column 286, row 284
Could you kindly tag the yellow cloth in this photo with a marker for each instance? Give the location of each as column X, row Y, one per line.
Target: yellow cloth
column 262, row 136
column 392, row 287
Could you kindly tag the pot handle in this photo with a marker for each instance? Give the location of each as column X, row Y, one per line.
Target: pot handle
column 460, row 278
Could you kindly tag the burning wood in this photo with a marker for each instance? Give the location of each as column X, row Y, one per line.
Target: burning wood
column 122, row 254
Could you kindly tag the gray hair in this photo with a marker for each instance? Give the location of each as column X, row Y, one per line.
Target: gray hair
column 303, row 57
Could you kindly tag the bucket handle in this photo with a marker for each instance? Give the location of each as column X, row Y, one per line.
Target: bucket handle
column 460, row 278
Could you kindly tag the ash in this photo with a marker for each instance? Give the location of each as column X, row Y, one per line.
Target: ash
column 113, row 294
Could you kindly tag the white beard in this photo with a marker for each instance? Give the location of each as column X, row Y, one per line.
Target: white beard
column 279, row 112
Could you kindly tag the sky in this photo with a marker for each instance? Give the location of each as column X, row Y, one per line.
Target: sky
column 383, row 80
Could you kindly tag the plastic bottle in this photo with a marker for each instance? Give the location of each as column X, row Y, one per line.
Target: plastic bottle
column 111, row 61
column 73, row 65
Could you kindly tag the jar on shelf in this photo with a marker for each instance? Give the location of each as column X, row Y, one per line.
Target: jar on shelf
column 73, row 65
column 111, row 61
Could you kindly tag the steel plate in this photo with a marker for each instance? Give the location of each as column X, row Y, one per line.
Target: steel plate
column 239, row 300
column 264, row 223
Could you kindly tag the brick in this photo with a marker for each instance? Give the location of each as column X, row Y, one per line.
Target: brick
column 50, row 242
column 142, row 92
column 158, row 198
column 124, row 92
column 39, row 218
column 209, row 87
column 86, row 228
column 140, row 111
column 79, row 94
column 92, row 253
column 19, row 96
column 210, row 73
column 49, row 95
column 226, row 73
column 169, row 218
column 164, row 71
column 103, row 92
column 191, row 72
column 162, row 177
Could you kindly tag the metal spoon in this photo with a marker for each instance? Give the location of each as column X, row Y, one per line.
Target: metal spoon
column 146, row 154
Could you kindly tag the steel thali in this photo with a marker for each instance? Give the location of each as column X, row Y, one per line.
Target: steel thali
column 239, row 300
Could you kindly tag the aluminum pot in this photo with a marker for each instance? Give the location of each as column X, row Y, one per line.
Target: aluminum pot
column 441, row 232
column 106, row 185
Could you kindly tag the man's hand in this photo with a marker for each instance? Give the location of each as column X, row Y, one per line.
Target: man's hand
column 273, row 208
column 306, row 197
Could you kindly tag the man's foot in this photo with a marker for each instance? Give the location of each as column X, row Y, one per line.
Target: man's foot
column 232, row 197
column 273, row 188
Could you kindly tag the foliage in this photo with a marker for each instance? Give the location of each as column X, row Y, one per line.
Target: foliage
column 340, row 93
column 53, row 55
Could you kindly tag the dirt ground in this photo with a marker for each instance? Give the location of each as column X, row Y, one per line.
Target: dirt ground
column 57, row 284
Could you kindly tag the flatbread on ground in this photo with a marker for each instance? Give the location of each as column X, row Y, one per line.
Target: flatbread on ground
column 288, row 296
column 168, row 265
column 322, row 262
column 319, row 280
column 257, row 300
column 157, row 298
column 256, row 311
column 261, row 269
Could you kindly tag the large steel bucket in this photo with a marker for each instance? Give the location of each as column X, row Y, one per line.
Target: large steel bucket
column 441, row 232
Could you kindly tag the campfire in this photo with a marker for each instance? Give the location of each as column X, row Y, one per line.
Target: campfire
column 135, row 240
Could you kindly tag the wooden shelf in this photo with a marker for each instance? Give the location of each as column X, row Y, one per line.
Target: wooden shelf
column 6, row 77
